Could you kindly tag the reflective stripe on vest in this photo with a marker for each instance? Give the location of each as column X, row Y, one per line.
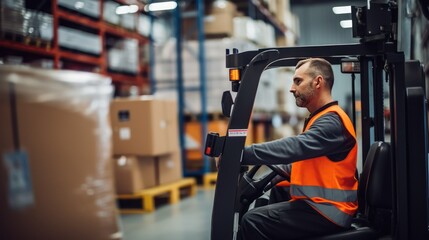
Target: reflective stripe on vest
column 329, row 187
column 326, row 193
column 332, row 212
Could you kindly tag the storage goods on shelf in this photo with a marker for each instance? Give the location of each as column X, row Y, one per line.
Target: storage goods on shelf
column 87, row 7
column 75, row 38
column 216, row 74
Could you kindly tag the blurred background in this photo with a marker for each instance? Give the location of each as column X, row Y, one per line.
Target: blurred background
column 105, row 105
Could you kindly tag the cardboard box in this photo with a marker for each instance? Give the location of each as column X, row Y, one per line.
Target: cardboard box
column 133, row 174
column 55, row 172
column 219, row 24
column 218, row 21
column 139, row 127
column 144, row 126
column 169, row 168
column 223, row 6
column 171, row 112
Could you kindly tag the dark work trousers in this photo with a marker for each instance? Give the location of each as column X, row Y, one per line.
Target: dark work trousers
column 279, row 194
column 285, row 220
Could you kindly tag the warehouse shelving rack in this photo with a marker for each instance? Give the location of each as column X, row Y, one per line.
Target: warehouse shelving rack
column 255, row 9
column 99, row 62
column 199, row 12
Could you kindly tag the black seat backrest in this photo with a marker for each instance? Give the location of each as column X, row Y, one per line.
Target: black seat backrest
column 375, row 198
column 375, row 185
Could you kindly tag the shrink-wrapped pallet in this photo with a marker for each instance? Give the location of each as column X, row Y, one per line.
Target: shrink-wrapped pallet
column 55, row 155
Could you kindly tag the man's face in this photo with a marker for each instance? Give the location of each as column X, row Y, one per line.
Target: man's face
column 302, row 87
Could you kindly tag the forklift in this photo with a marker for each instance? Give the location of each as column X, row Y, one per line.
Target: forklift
column 393, row 186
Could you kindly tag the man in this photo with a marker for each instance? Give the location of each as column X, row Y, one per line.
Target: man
column 321, row 160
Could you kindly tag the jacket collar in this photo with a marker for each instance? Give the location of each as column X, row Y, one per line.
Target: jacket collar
column 319, row 110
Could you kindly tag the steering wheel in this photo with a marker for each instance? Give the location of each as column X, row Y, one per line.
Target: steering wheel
column 250, row 189
column 279, row 171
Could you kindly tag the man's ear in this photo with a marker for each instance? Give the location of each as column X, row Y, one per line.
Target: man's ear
column 318, row 81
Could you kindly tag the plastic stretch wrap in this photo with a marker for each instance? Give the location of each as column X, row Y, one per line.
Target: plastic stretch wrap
column 81, row 92
column 55, row 163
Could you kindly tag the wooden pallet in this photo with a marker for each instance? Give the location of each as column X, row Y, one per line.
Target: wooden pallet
column 209, row 179
column 147, row 196
column 26, row 40
column 37, row 42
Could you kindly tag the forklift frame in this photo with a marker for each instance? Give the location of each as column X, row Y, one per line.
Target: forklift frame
column 408, row 217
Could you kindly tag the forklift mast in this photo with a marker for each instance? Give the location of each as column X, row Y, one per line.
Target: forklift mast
column 377, row 54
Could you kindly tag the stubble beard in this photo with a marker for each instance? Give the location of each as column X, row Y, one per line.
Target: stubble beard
column 299, row 101
column 302, row 100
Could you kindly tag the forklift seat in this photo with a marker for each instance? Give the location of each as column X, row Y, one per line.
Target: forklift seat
column 373, row 219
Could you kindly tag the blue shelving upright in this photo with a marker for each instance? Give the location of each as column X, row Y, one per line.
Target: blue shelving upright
column 202, row 87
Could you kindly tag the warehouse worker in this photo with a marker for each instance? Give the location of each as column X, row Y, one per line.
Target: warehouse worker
column 323, row 187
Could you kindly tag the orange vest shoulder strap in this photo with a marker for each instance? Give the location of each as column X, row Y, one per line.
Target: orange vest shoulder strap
column 337, row 109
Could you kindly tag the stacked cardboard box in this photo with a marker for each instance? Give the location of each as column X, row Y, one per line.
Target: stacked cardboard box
column 220, row 19
column 145, row 143
column 133, row 174
column 55, row 170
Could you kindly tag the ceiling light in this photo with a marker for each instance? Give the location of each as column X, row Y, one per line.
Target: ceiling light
column 160, row 6
column 342, row 9
column 133, row 8
column 127, row 9
column 346, row 23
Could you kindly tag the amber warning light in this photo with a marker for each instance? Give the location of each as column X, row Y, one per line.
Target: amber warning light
column 234, row 74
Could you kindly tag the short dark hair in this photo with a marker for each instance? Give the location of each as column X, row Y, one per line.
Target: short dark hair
column 319, row 66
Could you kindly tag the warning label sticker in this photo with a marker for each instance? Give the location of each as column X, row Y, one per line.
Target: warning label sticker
column 237, row 132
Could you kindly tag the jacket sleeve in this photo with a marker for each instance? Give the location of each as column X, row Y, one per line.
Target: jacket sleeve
column 326, row 137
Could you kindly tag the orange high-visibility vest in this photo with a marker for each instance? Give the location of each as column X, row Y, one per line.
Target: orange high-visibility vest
column 329, row 187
